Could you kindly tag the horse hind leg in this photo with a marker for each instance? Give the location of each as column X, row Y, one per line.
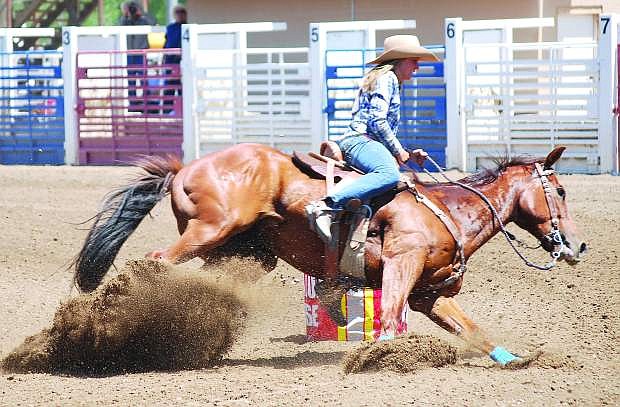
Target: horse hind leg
column 448, row 314
column 197, row 240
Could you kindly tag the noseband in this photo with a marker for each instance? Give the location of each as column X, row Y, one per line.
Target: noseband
column 554, row 237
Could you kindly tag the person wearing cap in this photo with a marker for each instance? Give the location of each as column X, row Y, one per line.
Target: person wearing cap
column 370, row 143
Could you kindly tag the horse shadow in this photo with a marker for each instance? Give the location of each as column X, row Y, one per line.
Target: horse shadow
column 301, row 359
column 298, row 339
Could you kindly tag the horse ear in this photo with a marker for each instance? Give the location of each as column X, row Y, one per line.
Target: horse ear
column 553, row 156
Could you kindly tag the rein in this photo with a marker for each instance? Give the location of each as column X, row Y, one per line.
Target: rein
column 554, row 236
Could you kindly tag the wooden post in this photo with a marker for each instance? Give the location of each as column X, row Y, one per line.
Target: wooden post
column 100, row 15
column 9, row 13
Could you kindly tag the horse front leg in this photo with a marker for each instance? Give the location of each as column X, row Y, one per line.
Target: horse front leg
column 448, row 314
column 401, row 270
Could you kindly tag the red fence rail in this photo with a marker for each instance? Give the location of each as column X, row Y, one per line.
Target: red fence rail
column 128, row 103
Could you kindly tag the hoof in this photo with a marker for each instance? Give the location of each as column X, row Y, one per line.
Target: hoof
column 502, row 356
column 156, row 255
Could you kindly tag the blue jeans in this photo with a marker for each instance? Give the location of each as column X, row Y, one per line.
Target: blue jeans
column 376, row 161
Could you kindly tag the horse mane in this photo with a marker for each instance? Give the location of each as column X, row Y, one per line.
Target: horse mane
column 486, row 176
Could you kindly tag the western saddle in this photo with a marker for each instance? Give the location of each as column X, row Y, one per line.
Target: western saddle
column 350, row 270
column 330, row 165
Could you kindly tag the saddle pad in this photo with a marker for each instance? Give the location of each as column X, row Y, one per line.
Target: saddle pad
column 317, row 168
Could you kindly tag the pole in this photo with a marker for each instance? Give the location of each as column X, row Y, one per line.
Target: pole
column 456, row 150
column 9, row 13
column 169, row 8
column 541, row 7
column 100, row 15
column 607, row 51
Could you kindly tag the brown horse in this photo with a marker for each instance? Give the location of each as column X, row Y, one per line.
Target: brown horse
column 249, row 199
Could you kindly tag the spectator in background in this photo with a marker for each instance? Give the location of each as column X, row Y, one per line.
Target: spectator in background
column 173, row 40
column 132, row 14
column 173, row 33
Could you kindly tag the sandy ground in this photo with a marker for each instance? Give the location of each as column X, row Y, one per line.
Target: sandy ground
column 568, row 312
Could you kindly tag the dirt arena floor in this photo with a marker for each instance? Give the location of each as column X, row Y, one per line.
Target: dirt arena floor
column 572, row 314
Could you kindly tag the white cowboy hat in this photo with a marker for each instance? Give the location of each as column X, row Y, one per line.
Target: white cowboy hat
column 401, row 47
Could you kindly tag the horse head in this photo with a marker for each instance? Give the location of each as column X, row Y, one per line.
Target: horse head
column 543, row 212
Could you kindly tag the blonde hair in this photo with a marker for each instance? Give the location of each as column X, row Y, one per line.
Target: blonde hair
column 370, row 79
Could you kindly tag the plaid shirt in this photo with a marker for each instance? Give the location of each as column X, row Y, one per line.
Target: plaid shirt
column 377, row 113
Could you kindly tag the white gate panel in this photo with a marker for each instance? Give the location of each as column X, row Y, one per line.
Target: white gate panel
column 235, row 94
column 530, row 98
column 346, row 37
column 252, row 96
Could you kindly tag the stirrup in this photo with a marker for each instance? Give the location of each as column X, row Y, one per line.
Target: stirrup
column 312, row 213
column 357, row 206
column 314, row 210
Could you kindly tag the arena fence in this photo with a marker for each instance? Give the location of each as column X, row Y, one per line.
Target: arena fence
column 238, row 94
column 119, row 103
column 490, row 96
column 128, row 103
column 530, row 98
column 31, row 102
column 253, row 95
column 524, row 98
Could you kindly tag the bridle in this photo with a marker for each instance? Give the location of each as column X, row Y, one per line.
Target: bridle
column 554, row 236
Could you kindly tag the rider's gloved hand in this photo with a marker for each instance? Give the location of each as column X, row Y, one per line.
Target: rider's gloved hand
column 402, row 157
column 419, row 156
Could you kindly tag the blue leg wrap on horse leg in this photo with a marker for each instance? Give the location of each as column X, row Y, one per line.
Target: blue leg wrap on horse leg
column 386, row 337
column 502, row 356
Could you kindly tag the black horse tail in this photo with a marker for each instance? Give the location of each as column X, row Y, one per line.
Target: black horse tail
column 121, row 212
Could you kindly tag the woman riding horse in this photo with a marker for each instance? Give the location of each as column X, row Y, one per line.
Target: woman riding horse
column 370, row 143
column 249, row 200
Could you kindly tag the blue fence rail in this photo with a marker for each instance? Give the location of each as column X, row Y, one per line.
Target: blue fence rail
column 31, row 108
column 423, row 100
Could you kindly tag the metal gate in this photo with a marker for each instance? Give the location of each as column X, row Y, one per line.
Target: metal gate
column 526, row 98
column 31, row 108
column 128, row 103
column 423, row 100
column 251, row 95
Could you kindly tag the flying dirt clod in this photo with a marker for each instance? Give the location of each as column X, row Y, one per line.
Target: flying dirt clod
column 150, row 317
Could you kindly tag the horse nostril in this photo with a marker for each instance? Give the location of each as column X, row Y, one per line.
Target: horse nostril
column 582, row 248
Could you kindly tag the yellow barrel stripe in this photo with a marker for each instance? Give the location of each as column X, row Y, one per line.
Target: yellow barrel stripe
column 342, row 330
column 342, row 333
column 369, row 314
